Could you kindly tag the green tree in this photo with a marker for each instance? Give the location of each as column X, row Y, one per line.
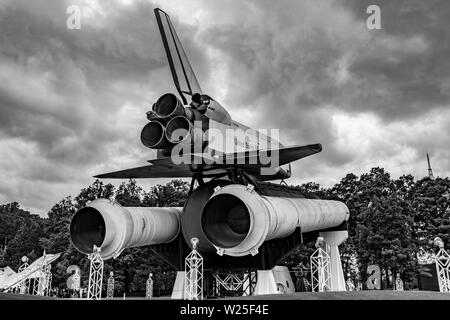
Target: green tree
column 385, row 237
column 25, row 242
column 431, row 201
column 57, row 237
column 95, row 191
column 129, row 194
column 172, row 194
column 312, row 189
column 10, row 219
column 371, row 200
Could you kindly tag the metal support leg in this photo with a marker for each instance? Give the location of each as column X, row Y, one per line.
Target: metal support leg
column 442, row 260
column 24, row 286
column 149, row 286
column 110, row 288
column 48, row 280
column 40, row 283
column 320, row 268
column 95, row 275
column 193, row 285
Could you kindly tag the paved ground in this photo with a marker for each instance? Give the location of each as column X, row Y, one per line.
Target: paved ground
column 352, row 295
column 14, row 296
column 356, row 295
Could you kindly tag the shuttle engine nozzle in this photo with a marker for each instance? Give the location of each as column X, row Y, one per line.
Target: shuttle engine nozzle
column 168, row 124
column 114, row 228
column 180, row 130
column 237, row 220
column 168, row 106
column 153, row 135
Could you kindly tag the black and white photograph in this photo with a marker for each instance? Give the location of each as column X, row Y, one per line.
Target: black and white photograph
column 237, row 152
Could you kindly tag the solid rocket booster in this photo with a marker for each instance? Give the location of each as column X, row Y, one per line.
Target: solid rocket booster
column 237, row 220
column 114, row 228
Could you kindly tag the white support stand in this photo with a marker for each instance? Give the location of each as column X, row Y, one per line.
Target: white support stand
column 236, row 283
column 24, row 286
column 320, row 268
column 40, row 282
column 230, row 282
column 266, row 283
column 37, row 285
column 193, row 285
column 333, row 239
column 398, row 283
column 149, row 287
column 178, row 287
column 278, row 280
column 442, row 260
column 48, row 280
column 110, row 288
column 95, row 275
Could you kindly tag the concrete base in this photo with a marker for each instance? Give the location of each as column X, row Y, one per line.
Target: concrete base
column 275, row 281
column 178, row 287
column 334, row 239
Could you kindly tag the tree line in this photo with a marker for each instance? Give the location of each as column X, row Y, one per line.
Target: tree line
column 391, row 220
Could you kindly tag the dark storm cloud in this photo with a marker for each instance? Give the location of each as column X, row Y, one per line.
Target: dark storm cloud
column 286, row 63
column 408, row 62
column 300, row 61
column 77, row 97
column 400, row 71
column 86, row 74
column 75, row 86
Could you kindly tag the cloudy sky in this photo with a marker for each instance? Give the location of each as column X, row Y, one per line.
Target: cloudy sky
column 73, row 102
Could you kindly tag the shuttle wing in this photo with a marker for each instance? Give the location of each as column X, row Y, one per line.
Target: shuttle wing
column 248, row 161
column 150, row 171
column 285, row 155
